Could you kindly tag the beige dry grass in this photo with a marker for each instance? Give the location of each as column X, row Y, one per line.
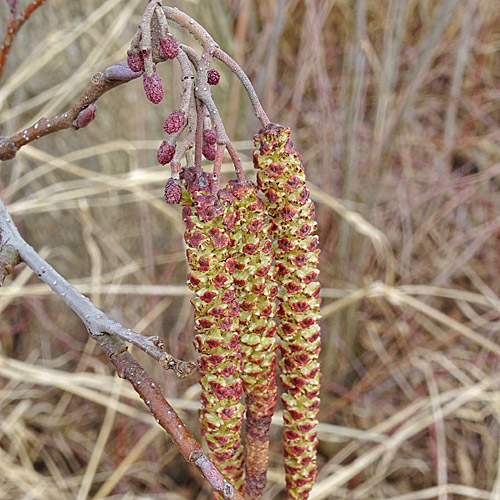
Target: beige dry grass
column 394, row 105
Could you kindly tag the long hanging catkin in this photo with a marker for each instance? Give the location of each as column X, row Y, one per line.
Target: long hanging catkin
column 281, row 177
column 208, row 219
column 256, row 291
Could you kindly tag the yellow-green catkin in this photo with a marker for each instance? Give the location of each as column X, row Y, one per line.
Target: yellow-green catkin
column 208, row 219
column 256, row 292
column 281, row 178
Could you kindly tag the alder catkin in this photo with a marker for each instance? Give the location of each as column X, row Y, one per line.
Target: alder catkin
column 209, row 136
column 153, row 87
column 175, row 121
column 208, row 151
column 165, row 153
column 208, row 220
column 281, row 177
column 169, row 47
column 213, row 77
column 135, row 61
column 173, row 191
column 256, row 292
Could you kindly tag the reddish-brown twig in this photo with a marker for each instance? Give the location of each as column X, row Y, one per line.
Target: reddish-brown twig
column 14, row 25
column 247, row 84
column 127, row 367
column 100, row 83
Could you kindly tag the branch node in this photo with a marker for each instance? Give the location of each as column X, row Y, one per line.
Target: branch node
column 181, row 368
column 157, row 341
column 118, row 352
column 8, row 148
column 9, row 258
column 195, row 455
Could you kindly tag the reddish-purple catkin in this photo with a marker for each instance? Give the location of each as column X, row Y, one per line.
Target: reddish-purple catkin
column 213, row 77
column 153, row 86
column 173, row 191
column 134, row 60
column 169, row 47
column 208, row 220
column 209, row 136
column 208, row 151
column 165, row 153
column 175, row 121
column 256, row 292
column 282, row 179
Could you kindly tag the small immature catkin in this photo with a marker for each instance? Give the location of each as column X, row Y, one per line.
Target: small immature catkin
column 175, row 121
column 153, row 86
column 169, row 47
column 213, row 77
column 165, row 153
column 135, row 61
column 173, row 191
column 209, row 136
column 281, row 177
column 208, row 151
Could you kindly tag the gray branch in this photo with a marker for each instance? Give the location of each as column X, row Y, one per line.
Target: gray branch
column 95, row 320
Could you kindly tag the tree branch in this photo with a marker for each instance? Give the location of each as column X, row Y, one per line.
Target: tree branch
column 78, row 116
column 95, row 320
column 14, row 25
column 127, row 367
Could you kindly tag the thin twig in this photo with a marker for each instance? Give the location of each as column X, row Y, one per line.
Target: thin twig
column 187, row 106
column 145, row 43
column 198, row 144
column 252, row 95
column 14, row 25
column 111, row 77
column 202, row 92
column 219, row 153
column 207, row 42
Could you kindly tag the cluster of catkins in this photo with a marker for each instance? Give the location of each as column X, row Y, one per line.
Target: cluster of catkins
column 253, row 268
column 141, row 61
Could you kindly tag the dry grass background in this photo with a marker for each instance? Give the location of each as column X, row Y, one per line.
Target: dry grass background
column 394, row 105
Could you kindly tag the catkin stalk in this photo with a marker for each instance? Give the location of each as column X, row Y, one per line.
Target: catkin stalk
column 281, row 177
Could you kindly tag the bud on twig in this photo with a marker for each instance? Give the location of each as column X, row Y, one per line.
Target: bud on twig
column 85, row 116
